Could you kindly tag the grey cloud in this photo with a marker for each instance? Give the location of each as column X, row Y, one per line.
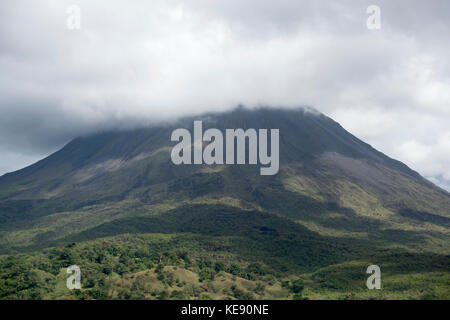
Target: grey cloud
column 134, row 62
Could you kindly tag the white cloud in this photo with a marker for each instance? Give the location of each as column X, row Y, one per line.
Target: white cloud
column 134, row 61
column 432, row 160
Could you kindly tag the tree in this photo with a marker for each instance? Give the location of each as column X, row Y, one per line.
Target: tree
column 297, row 286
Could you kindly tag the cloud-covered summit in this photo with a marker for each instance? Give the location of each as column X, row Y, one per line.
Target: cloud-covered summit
column 134, row 62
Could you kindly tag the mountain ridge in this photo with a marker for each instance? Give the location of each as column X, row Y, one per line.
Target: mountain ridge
column 336, row 203
column 187, row 121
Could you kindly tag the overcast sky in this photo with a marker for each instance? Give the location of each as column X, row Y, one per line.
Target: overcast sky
column 135, row 61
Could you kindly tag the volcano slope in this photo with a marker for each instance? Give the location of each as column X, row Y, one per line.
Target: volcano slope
column 140, row 227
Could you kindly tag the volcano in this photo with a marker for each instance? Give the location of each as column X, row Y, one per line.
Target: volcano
column 115, row 203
